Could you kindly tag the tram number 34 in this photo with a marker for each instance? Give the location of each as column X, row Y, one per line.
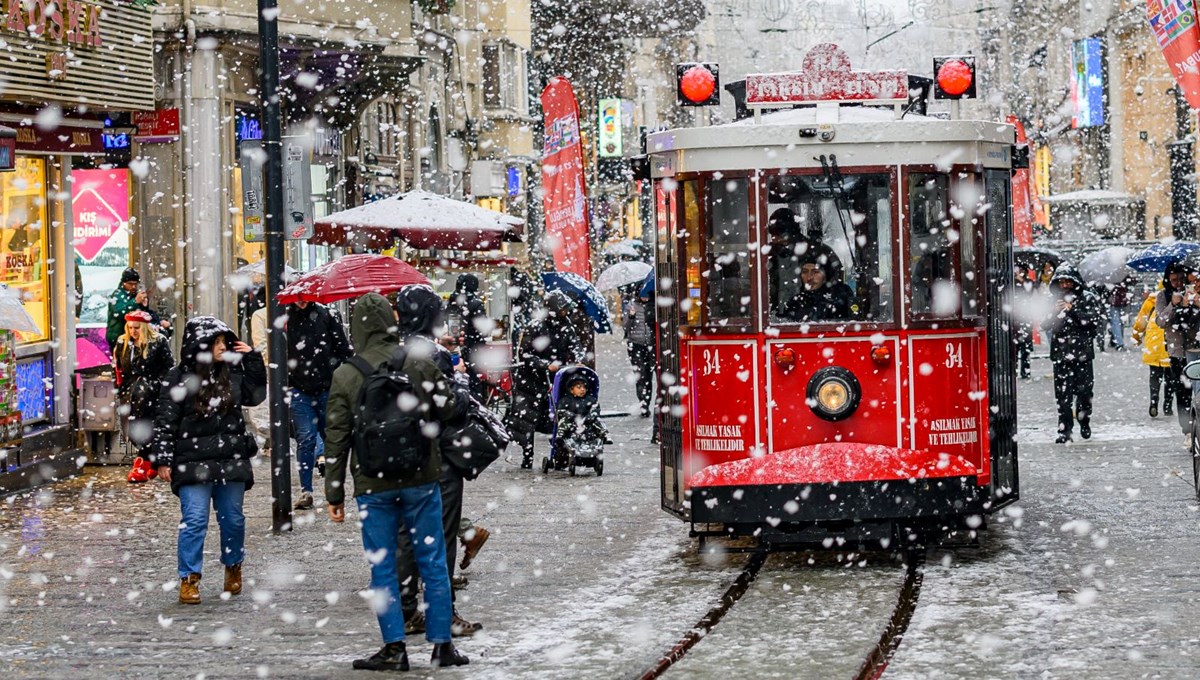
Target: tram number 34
column 954, row 355
column 712, row 363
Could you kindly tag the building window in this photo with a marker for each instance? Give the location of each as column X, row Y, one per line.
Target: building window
column 23, row 241
column 504, row 81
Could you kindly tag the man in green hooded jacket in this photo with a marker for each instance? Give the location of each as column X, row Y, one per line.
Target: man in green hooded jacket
column 387, row 504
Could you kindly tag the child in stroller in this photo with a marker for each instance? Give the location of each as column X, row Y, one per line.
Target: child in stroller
column 579, row 436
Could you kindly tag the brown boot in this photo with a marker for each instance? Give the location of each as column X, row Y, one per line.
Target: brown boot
column 472, row 545
column 189, row 589
column 233, row 579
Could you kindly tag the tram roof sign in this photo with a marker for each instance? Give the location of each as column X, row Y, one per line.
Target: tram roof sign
column 825, row 75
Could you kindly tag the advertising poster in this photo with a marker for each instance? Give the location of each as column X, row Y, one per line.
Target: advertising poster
column 565, row 199
column 251, row 165
column 610, row 128
column 1174, row 26
column 1087, row 83
column 297, row 189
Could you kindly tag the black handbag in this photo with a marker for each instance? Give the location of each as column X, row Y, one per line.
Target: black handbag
column 471, row 446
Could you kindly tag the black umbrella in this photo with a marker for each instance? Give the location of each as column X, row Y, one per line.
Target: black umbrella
column 1033, row 257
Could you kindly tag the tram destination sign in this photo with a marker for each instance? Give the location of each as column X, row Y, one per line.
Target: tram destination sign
column 825, row 75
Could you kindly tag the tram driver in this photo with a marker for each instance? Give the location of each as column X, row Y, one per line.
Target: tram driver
column 824, row 297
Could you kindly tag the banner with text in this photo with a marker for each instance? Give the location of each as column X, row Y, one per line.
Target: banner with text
column 1174, row 26
column 564, row 199
column 100, row 207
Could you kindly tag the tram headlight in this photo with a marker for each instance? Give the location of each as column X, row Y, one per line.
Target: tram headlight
column 834, row 393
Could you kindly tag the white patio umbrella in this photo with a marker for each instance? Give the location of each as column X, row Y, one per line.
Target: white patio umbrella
column 622, row 274
column 13, row 316
column 422, row 220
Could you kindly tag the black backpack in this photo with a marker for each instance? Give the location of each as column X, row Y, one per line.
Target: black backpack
column 388, row 441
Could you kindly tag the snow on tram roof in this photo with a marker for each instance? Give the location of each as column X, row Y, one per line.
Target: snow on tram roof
column 846, row 114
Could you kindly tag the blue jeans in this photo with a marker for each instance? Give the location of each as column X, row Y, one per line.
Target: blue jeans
column 383, row 514
column 308, row 415
column 1116, row 332
column 194, row 500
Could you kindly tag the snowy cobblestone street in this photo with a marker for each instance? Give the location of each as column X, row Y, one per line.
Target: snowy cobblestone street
column 1089, row 575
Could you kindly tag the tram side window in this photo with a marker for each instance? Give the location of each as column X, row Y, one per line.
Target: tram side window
column 968, row 195
column 728, row 244
column 829, row 246
column 932, row 266
column 691, row 235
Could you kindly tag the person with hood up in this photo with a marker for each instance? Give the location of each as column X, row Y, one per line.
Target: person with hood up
column 202, row 448
column 387, row 506
column 143, row 359
column 473, row 323
column 823, row 297
column 1150, row 336
column 1072, row 324
column 547, row 343
column 1177, row 312
column 316, row 346
column 420, row 317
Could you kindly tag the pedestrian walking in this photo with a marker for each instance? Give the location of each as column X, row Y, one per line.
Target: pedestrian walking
column 398, row 495
column 142, row 357
column 1176, row 312
column 317, row 345
column 1072, row 325
column 1149, row 335
column 128, row 297
column 637, row 315
column 547, row 343
column 1021, row 321
column 1118, row 310
column 470, row 325
column 202, row 448
column 419, row 314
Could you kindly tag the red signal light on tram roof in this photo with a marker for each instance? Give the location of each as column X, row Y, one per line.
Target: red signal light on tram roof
column 697, row 84
column 954, row 77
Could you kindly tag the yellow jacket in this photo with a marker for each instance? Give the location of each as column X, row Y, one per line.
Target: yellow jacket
column 1150, row 336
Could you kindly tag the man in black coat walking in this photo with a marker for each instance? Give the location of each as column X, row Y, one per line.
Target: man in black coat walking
column 317, row 345
column 1072, row 325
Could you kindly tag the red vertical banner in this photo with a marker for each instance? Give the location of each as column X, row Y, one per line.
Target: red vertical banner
column 1174, row 26
column 564, row 197
column 1022, row 208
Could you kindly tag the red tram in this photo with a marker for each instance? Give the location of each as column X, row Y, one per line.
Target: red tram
column 887, row 400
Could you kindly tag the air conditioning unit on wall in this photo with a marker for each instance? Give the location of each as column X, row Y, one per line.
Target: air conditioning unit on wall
column 488, row 178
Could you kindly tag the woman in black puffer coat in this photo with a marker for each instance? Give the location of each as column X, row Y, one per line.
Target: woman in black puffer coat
column 201, row 445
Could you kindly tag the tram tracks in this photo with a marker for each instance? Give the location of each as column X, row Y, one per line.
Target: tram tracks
column 874, row 663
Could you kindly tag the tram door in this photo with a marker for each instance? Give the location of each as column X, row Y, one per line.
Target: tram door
column 669, row 404
column 1002, row 392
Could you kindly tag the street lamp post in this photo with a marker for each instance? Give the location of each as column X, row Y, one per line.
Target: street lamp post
column 281, row 455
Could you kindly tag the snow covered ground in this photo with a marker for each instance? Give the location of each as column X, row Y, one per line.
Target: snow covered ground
column 1092, row 573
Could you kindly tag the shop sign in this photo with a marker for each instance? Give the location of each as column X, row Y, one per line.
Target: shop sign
column 100, row 207
column 159, row 125
column 251, row 163
column 77, row 23
column 610, row 128
column 297, row 189
column 62, row 139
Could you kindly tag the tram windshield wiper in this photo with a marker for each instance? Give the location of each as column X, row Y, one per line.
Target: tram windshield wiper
column 833, row 178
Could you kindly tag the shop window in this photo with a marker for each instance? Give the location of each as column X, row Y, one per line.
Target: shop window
column 932, row 266
column 504, row 81
column 24, row 240
column 100, row 219
column 829, row 248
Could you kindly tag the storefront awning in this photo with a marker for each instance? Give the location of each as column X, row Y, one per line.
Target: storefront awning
column 422, row 220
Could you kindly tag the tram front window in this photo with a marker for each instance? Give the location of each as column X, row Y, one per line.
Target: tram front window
column 829, row 245
column 932, row 266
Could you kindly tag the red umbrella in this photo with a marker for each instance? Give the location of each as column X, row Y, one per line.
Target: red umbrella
column 351, row 276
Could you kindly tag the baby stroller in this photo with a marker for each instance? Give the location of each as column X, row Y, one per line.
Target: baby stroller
column 579, row 448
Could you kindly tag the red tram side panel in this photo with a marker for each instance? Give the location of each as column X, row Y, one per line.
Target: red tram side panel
column 947, row 391
column 723, row 419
